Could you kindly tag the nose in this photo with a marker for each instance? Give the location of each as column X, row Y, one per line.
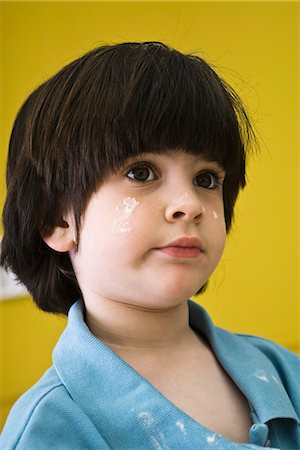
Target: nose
column 187, row 207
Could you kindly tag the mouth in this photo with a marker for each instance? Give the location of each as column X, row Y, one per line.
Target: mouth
column 184, row 247
column 181, row 252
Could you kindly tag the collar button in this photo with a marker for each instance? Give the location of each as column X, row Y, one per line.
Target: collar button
column 259, row 434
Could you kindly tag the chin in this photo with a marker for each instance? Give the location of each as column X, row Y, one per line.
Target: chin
column 179, row 289
column 168, row 298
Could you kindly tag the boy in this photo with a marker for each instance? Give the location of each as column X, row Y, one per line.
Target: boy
column 122, row 176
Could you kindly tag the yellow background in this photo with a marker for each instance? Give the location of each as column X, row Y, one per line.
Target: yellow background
column 254, row 46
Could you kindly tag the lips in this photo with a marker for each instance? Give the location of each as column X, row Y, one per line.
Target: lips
column 184, row 247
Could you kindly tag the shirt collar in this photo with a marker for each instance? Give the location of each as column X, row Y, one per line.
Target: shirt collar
column 126, row 407
column 248, row 367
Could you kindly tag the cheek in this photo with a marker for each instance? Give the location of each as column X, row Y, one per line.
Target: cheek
column 108, row 224
column 123, row 216
column 215, row 215
column 218, row 219
column 218, row 226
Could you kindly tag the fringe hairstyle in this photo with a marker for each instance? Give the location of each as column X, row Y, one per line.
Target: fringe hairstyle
column 82, row 124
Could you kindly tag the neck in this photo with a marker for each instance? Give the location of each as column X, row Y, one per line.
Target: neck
column 126, row 327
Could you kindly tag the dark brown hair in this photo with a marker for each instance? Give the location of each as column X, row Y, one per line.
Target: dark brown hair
column 82, row 124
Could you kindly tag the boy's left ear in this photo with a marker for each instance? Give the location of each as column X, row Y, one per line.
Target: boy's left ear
column 62, row 237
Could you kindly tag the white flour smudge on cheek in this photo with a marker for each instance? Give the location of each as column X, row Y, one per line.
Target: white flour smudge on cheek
column 121, row 223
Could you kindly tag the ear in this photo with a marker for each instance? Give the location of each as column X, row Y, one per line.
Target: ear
column 62, row 237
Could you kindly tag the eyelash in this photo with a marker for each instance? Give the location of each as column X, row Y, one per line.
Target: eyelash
column 216, row 177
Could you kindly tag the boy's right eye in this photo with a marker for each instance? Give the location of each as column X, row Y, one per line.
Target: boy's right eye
column 141, row 173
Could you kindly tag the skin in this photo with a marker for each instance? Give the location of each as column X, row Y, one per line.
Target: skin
column 134, row 294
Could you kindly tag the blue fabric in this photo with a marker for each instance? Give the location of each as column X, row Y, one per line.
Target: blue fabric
column 92, row 399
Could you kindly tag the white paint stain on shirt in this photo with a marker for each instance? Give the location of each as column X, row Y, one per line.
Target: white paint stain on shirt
column 181, row 426
column 211, row 439
column 146, row 418
column 275, row 379
column 121, row 223
column 261, row 375
column 156, row 436
column 155, row 443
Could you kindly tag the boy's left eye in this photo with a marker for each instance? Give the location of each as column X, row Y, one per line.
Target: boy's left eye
column 207, row 180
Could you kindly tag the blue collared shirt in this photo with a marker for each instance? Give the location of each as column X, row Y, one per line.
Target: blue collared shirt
column 92, row 399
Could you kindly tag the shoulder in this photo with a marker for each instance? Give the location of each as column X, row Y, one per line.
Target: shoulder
column 243, row 347
column 281, row 357
column 47, row 417
column 286, row 363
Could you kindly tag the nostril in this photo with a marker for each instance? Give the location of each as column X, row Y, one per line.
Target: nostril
column 178, row 214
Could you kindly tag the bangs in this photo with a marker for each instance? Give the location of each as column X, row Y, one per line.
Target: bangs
column 119, row 101
column 176, row 102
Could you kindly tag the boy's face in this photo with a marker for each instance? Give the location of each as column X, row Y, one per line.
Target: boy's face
column 153, row 200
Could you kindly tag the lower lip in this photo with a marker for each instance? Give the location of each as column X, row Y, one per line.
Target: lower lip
column 181, row 252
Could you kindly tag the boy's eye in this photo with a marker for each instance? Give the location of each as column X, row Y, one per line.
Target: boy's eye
column 141, row 173
column 208, row 180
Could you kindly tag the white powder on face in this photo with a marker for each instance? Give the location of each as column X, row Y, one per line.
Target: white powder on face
column 215, row 215
column 182, row 197
column 121, row 223
column 181, row 202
